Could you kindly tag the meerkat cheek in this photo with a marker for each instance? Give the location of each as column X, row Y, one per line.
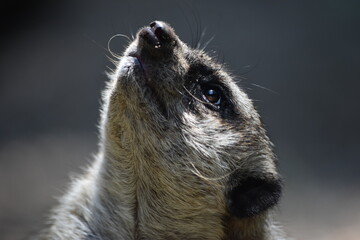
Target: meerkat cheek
column 253, row 196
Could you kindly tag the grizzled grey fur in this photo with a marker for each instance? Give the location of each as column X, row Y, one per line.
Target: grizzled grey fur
column 183, row 154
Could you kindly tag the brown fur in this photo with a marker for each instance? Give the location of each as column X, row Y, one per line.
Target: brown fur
column 168, row 162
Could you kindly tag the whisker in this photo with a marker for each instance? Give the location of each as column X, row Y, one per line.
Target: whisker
column 201, row 38
column 182, row 11
column 96, row 43
column 194, row 96
column 268, row 89
column 208, row 42
column 109, row 42
column 131, row 32
column 181, row 93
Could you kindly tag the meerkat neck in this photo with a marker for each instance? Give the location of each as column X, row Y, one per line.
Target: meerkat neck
column 151, row 202
column 124, row 200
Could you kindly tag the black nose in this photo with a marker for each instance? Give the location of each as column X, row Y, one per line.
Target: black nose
column 160, row 30
column 158, row 38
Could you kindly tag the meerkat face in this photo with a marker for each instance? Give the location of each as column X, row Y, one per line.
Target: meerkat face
column 181, row 103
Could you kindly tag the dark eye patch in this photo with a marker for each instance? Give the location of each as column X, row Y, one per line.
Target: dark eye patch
column 204, row 86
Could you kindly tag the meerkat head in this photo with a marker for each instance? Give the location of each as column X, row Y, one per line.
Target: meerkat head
column 177, row 108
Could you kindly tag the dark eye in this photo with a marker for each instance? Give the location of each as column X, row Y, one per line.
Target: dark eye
column 212, row 94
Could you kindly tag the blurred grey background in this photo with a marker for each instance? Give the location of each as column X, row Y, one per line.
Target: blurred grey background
column 299, row 61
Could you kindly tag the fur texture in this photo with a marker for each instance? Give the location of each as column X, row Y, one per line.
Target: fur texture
column 173, row 163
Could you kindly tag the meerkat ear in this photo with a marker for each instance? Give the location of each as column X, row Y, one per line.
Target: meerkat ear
column 253, row 196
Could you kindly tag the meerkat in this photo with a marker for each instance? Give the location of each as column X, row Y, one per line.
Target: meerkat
column 183, row 154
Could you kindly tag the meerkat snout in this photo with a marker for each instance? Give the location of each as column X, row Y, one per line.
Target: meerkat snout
column 157, row 38
column 183, row 153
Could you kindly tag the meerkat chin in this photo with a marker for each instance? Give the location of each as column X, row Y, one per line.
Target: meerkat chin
column 183, row 154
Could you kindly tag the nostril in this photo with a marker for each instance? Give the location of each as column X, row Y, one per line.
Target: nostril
column 158, row 38
column 156, row 24
column 159, row 29
column 152, row 24
column 160, row 33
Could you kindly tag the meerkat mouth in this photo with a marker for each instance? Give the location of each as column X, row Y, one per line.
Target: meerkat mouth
column 154, row 44
column 150, row 69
